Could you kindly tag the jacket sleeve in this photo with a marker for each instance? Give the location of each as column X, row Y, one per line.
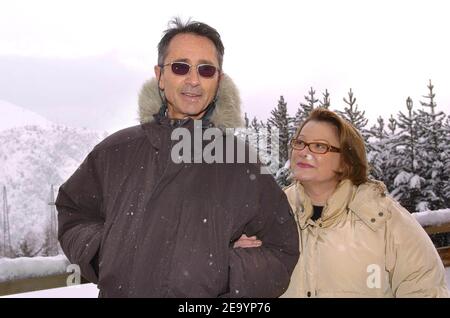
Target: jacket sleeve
column 416, row 269
column 265, row 271
column 80, row 219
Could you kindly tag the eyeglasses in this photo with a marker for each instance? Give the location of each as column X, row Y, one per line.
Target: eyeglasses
column 182, row 68
column 315, row 147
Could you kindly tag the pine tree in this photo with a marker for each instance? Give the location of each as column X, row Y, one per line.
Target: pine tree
column 376, row 155
column 432, row 144
column 255, row 124
column 325, row 102
column 306, row 108
column 265, row 150
column 382, row 154
column 408, row 182
column 352, row 114
column 292, row 127
column 431, row 103
column 390, row 169
column 356, row 117
column 254, row 128
column 280, row 120
column 446, row 181
column 392, row 126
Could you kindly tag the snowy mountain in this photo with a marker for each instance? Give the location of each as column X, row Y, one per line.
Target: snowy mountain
column 32, row 158
column 14, row 116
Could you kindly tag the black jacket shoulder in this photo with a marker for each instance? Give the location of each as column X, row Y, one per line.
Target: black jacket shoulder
column 121, row 137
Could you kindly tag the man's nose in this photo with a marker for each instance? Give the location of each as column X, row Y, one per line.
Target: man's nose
column 193, row 77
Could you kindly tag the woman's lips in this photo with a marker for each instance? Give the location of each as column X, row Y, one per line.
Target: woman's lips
column 304, row 165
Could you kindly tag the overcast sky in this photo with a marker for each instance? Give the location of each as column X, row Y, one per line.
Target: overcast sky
column 82, row 63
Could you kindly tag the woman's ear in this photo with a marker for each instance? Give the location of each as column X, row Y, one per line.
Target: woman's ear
column 342, row 168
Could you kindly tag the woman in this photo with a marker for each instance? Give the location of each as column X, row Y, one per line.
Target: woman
column 355, row 241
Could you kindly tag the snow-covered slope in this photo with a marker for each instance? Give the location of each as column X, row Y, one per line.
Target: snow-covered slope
column 14, row 116
column 32, row 158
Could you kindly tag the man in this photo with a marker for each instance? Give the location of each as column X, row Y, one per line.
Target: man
column 141, row 225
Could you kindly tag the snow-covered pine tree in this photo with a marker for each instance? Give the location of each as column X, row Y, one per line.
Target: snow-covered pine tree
column 375, row 156
column 392, row 126
column 292, row 127
column 258, row 139
column 255, row 126
column 446, row 134
column 408, row 182
column 280, row 120
column 305, row 108
column 353, row 115
column 432, row 144
column 381, row 155
column 268, row 142
column 391, row 153
column 325, row 102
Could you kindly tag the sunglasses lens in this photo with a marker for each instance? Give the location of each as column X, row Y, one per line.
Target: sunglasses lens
column 206, row 70
column 180, row 68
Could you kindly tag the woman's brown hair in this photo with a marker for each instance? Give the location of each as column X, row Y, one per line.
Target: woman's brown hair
column 353, row 151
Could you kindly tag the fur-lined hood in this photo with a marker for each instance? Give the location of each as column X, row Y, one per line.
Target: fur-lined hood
column 227, row 113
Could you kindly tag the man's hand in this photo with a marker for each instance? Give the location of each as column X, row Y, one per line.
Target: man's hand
column 245, row 242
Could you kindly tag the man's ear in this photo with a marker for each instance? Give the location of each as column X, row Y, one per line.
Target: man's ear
column 159, row 76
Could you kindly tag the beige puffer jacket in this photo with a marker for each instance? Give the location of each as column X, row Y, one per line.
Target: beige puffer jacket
column 364, row 245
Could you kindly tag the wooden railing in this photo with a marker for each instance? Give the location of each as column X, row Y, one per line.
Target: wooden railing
column 34, row 284
column 444, row 252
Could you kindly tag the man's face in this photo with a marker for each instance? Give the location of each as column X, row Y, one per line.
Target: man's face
column 188, row 95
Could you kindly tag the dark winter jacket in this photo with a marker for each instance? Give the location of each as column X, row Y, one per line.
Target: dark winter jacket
column 140, row 225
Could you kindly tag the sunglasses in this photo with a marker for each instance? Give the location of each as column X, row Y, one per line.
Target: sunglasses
column 182, row 68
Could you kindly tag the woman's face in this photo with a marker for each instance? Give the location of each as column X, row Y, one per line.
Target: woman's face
column 313, row 168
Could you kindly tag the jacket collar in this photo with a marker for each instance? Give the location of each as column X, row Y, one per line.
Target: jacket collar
column 226, row 114
column 334, row 209
column 364, row 200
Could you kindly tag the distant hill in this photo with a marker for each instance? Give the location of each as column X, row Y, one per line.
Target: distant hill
column 15, row 116
column 34, row 155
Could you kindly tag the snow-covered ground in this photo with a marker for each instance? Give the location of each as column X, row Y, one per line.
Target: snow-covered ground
column 28, row 267
column 436, row 217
